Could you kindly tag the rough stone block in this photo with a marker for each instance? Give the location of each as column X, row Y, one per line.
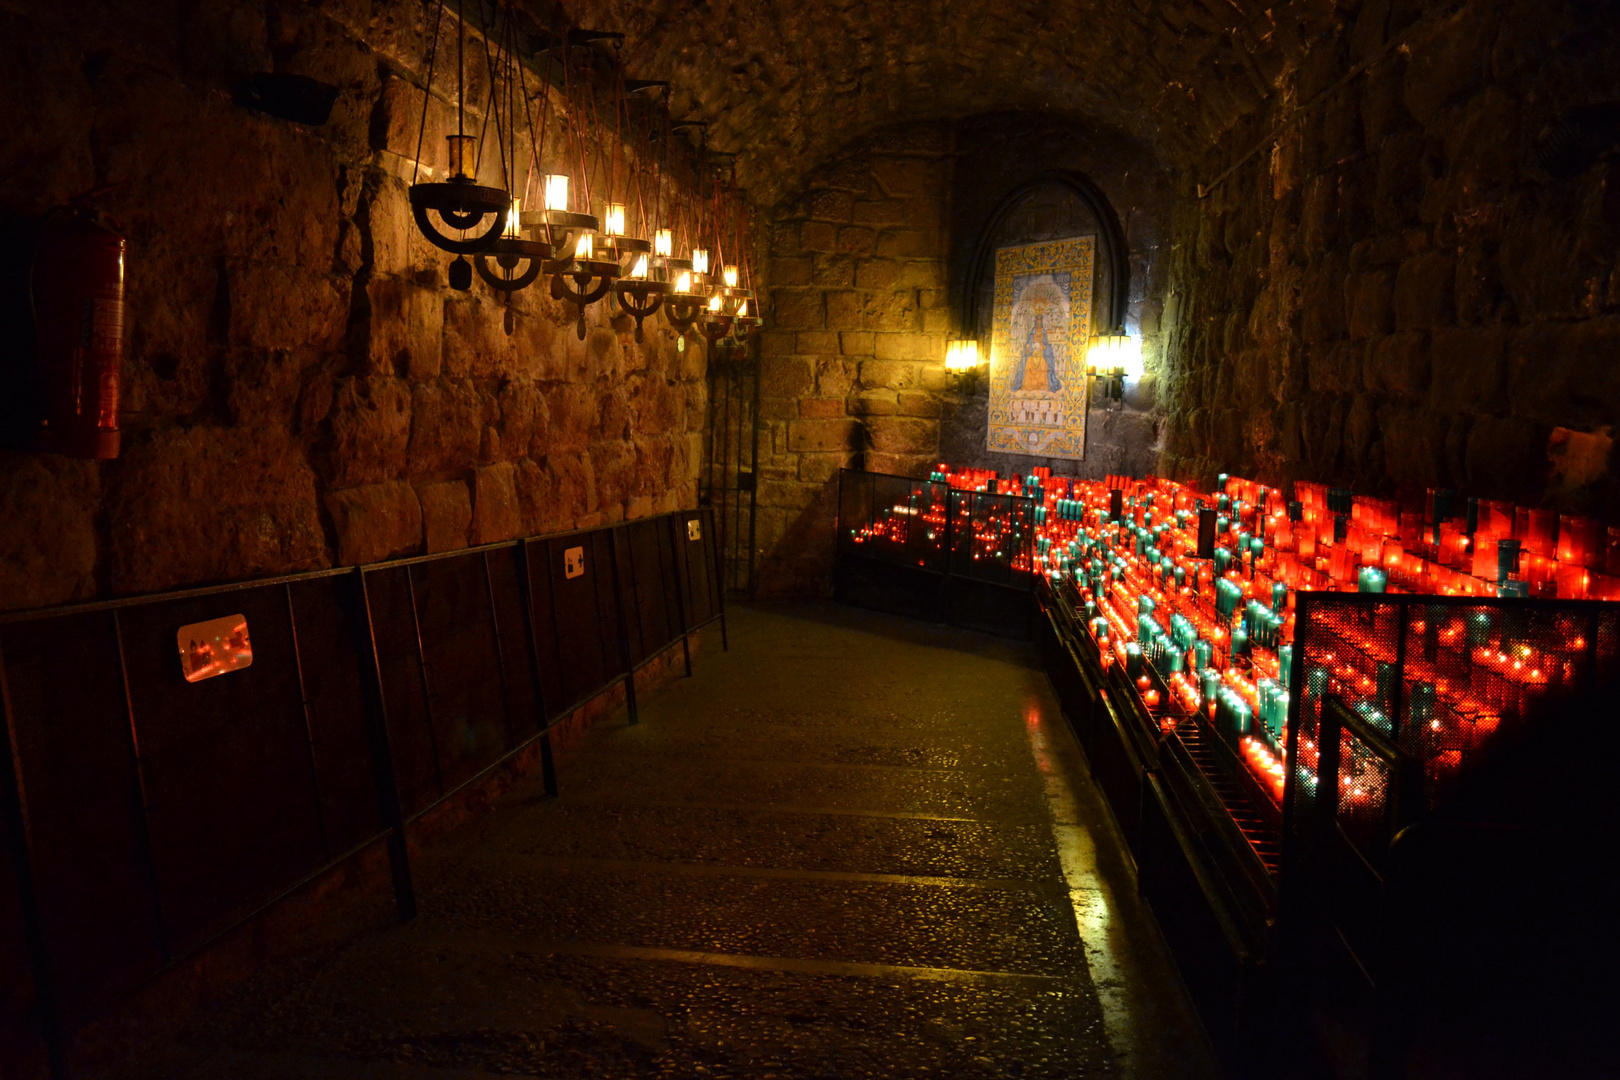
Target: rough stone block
column 907, row 244
column 896, row 312
column 906, row 176
column 882, row 212
column 874, row 403
column 790, row 272
column 1335, row 367
column 878, row 274
column 476, row 345
column 856, row 241
column 818, row 236
column 446, row 515
column 821, row 468
column 212, row 504
column 772, row 343
column 817, row 343
column 447, row 424
column 913, row 403
column 831, row 205
column 1370, row 297
column 405, row 328
column 918, row 465
column 835, row 378
column 785, row 377
column 1453, row 64
column 53, row 559
column 496, row 513
column 833, row 272
column 821, row 408
column 370, row 427
column 1504, row 458
column 375, row 522
column 926, row 348
column 822, row 435
column 286, row 307
column 845, row 311
column 1423, row 291
column 1565, row 374
column 890, row 374
column 799, row 310
column 856, row 343
column 1399, row 365
column 1469, row 369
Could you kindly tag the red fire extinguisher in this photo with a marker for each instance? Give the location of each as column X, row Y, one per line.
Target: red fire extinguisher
column 78, row 287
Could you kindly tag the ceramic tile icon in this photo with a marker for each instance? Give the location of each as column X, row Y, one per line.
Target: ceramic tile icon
column 1042, row 328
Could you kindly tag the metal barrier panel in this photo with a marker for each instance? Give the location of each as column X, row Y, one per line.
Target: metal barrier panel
column 327, row 633
column 504, row 568
column 461, row 665
column 647, row 586
column 152, row 809
column 585, row 626
column 695, row 568
column 230, row 792
column 92, row 872
column 411, row 738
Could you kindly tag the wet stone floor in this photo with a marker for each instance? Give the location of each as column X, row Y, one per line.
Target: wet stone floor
column 853, row 846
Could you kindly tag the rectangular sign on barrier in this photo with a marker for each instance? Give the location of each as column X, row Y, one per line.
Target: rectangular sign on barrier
column 212, row 648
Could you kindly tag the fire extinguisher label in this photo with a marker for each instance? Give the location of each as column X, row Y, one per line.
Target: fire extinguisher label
column 107, row 328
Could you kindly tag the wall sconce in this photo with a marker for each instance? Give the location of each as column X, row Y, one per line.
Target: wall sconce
column 1112, row 359
column 962, row 363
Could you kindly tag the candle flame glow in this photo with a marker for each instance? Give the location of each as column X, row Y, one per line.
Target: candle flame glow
column 556, row 191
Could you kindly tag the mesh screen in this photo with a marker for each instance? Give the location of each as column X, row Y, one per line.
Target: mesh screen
column 1366, row 786
column 1439, row 679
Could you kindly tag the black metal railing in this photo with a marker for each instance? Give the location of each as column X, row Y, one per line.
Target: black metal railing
column 146, row 816
column 921, row 548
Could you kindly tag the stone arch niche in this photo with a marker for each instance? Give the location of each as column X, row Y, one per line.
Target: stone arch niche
column 1020, row 183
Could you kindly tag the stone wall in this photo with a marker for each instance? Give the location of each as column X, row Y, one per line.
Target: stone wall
column 868, row 274
column 852, row 367
column 1395, row 293
column 301, row 388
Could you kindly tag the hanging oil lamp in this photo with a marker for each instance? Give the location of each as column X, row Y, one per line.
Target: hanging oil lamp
column 579, row 274
column 641, row 292
column 462, row 204
column 517, row 258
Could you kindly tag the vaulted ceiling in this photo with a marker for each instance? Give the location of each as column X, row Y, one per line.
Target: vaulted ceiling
column 786, row 83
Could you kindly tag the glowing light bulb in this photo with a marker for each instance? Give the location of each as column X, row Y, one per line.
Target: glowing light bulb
column 639, row 270
column 613, row 220
column 556, row 191
column 513, row 217
column 742, row 310
column 700, row 261
column 729, row 274
column 683, row 283
column 585, row 247
column 962, row 355
column 714, row 303
column 663, row 243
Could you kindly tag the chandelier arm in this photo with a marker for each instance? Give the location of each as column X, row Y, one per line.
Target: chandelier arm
column 505, row 284
column 427, row 92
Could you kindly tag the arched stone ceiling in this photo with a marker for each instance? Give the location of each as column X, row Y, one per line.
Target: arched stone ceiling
column 786, row 83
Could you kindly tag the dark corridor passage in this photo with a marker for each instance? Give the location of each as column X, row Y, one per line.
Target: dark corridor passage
column 853, row 846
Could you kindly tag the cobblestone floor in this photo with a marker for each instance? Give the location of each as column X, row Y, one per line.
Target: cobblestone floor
column 853, row 846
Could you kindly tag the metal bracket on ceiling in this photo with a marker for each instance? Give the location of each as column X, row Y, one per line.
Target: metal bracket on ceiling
column 577, row 37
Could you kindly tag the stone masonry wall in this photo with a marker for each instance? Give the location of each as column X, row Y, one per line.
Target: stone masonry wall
column 852, row 371
column 301, row 388
column 1396, row 294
